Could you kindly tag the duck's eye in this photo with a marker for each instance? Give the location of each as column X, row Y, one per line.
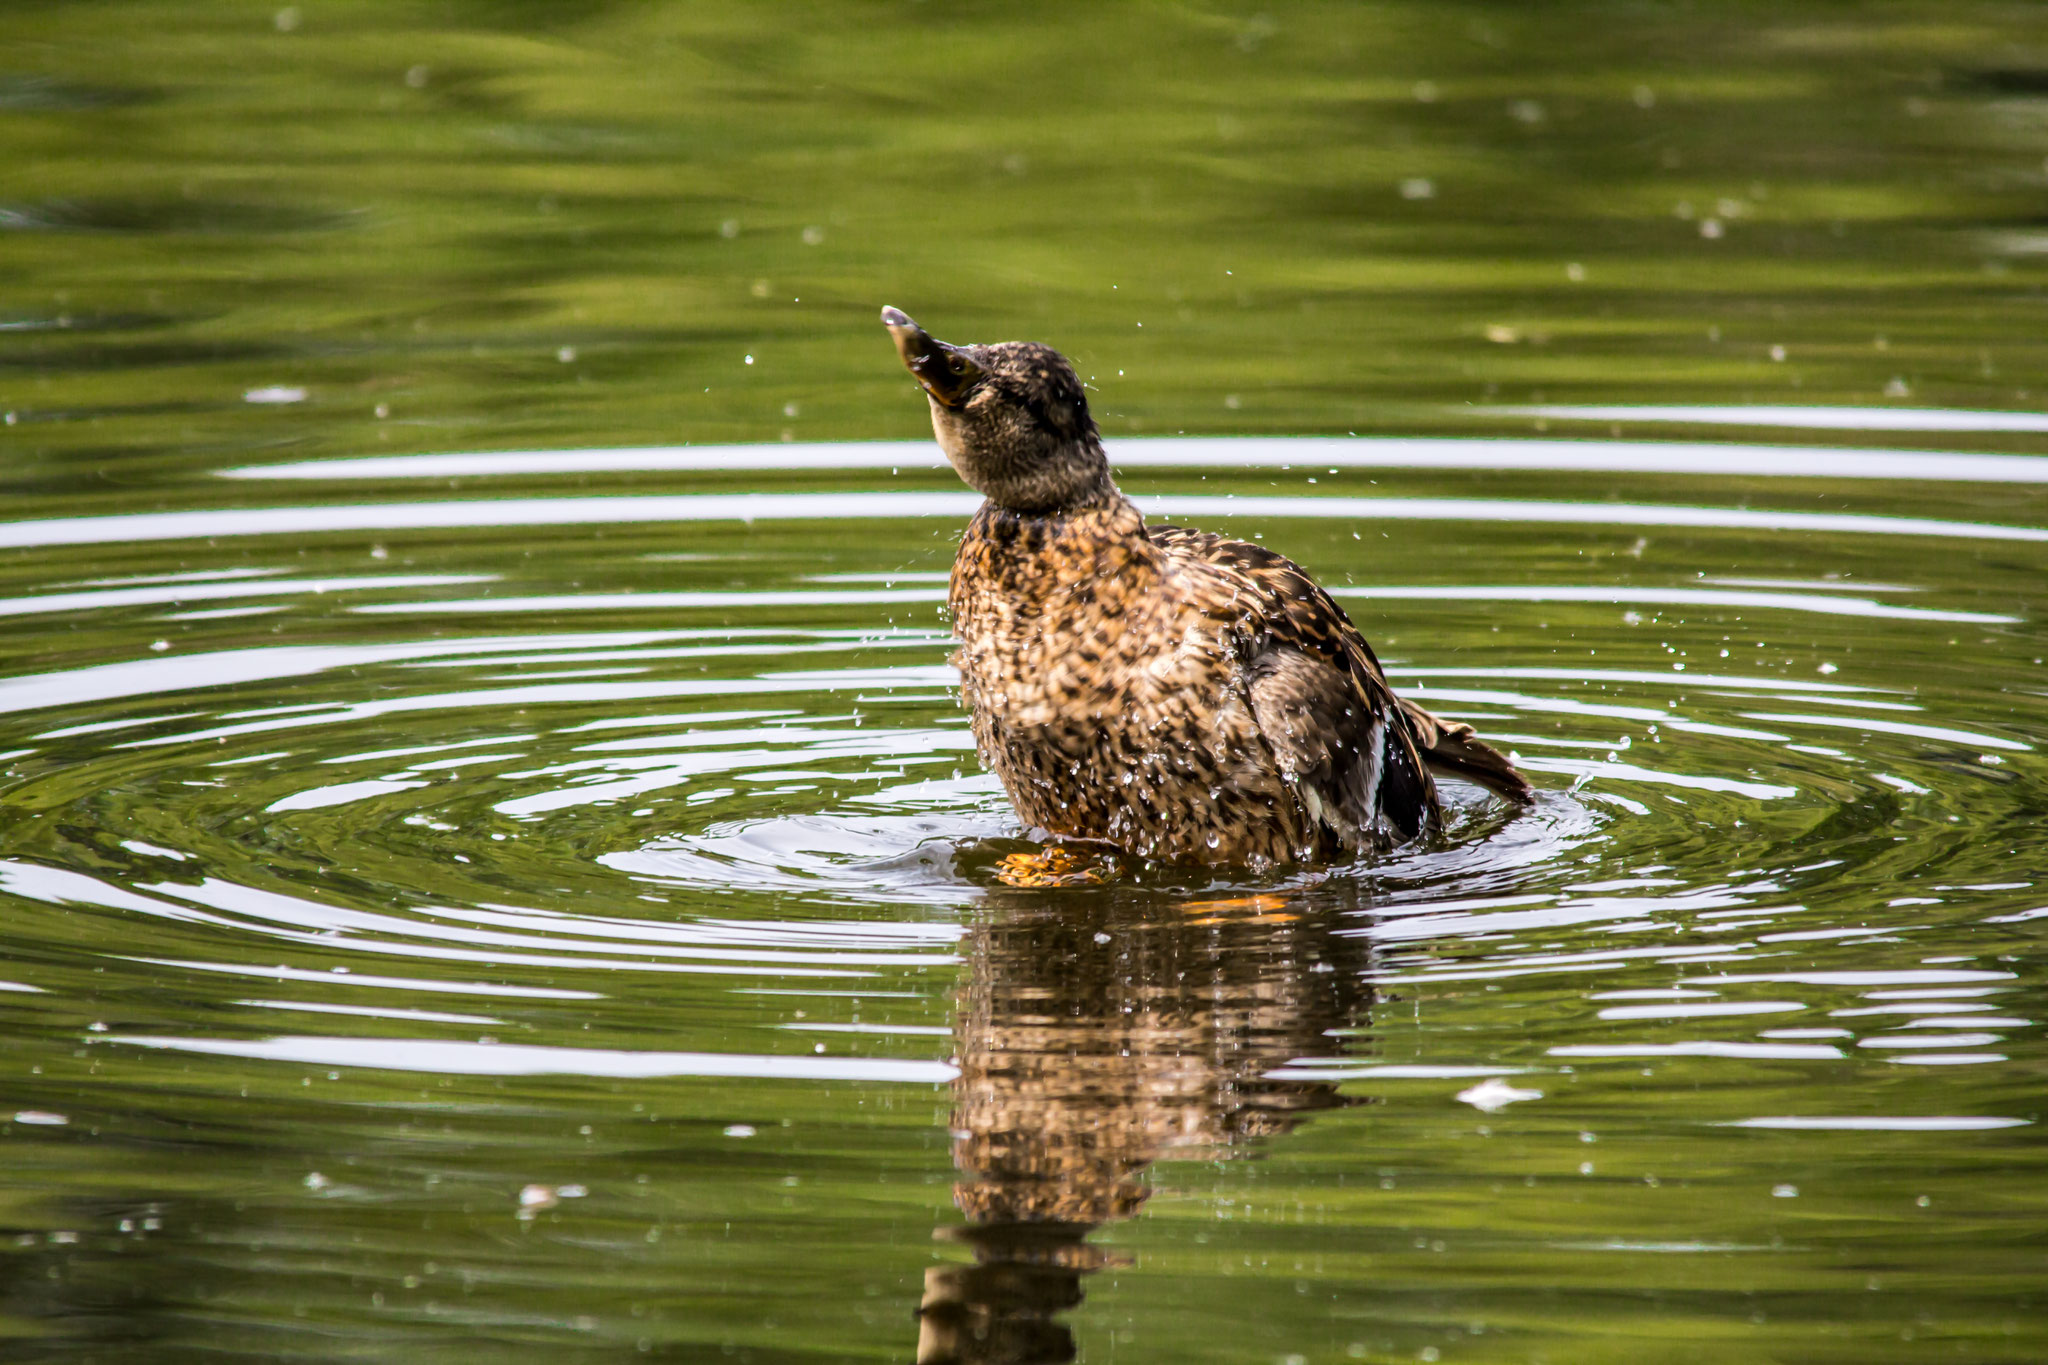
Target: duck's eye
column 958, row 364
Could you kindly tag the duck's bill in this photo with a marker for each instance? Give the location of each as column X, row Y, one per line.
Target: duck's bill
column 930, row 361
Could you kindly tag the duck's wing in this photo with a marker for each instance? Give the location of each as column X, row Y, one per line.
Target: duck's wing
column 1358, row 753
column 1313, row 687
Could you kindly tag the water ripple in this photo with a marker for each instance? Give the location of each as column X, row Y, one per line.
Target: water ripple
column 1338, row 452
column 506, row 513
column 446, row 1058
column 412, row 792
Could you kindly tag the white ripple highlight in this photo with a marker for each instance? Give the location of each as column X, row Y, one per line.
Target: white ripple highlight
column 1815, row 603
column 1892, row 464
column 1701, row 458
column 1932, row 1123
column 1702, row 1010
column 181, row 593
column 447, row 1058
column 504, row 513
column 1893, row 727
column 1796, row 1052
column 1819, row 604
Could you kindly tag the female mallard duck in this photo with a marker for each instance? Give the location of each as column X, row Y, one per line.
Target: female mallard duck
column 1182, row 696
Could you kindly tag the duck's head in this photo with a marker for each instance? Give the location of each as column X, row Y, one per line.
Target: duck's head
column 1011, row 417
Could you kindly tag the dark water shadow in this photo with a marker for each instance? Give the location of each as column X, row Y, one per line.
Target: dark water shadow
column 165, row 214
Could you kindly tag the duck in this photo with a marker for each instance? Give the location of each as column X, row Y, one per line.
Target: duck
column 1183, row 697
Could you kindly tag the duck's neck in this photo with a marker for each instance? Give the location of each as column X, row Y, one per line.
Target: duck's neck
column 1105, row 515
column 1020, row 574
column 1037, row 473
column 1087, row 483
column 1073, row 486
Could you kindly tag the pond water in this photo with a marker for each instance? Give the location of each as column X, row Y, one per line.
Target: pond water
column 493, row 864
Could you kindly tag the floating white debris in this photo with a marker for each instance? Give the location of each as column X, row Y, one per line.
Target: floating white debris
column 1494, row 1093
column 275, row 393
column 739, row 1130
column 41, row 1118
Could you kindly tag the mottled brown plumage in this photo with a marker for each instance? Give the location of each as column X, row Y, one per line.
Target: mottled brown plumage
column 1186, row 697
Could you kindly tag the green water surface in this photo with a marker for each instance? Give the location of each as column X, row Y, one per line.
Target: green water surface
column 543, row 905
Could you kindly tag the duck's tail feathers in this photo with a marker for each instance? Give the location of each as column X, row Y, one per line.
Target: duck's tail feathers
column 1453, row 747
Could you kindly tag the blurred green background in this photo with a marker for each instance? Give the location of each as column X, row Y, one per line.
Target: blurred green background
column 508, row 224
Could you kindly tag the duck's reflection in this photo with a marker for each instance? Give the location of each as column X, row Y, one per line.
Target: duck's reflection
column 1097, row 1033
